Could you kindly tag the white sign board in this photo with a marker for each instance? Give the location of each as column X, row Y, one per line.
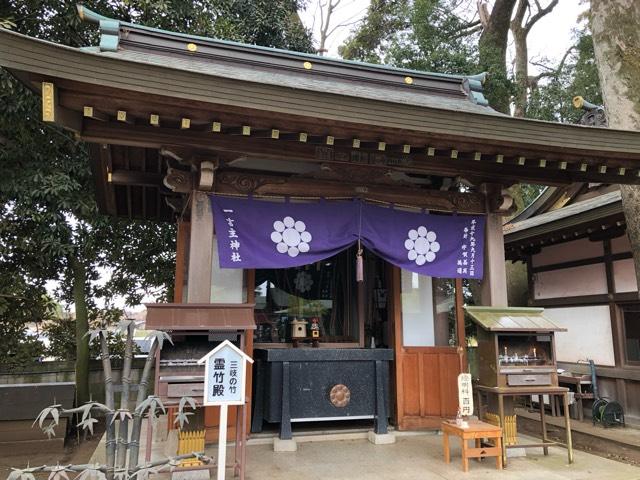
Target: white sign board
column 225, row 370
column 465, row 394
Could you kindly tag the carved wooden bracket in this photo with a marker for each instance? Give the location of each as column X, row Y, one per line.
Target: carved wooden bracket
column 179, row 181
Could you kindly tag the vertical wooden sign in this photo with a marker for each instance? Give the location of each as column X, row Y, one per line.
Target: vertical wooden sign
column 465, row 394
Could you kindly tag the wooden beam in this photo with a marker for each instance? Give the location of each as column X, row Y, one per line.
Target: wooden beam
column 244, row 130
column 240, row 182
column 438, row 164
column 272, row 133
column 132, row 177
column 101, row 167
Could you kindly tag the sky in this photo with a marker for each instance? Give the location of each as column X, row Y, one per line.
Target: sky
column 550, row 37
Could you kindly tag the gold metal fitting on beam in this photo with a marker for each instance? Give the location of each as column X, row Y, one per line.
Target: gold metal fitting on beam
column 192, row 47
column 408, row 80
column 307, row 65
column 48, row 102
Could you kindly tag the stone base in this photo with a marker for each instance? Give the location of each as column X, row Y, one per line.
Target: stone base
column 516, row 452
column 285, row 445
column 381, row 438
column 191, row 475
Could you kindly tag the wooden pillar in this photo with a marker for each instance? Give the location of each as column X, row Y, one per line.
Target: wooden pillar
column 493, row 290
column 181, row 260
column 200, row 250
column 460, row 325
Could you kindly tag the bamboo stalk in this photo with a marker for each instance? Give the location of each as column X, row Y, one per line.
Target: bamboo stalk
column 110, row 403
column 123, row 428
column 134, row 450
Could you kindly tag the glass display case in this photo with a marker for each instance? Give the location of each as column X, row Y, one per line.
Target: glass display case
column 524, row 350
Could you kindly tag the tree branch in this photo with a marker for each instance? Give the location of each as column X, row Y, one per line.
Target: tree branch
column 541, row 13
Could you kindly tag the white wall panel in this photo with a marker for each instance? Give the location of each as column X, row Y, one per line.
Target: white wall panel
column 624, row 274
column 620, row 244
column 571, row 282
column 588, row 334
column 565, row 252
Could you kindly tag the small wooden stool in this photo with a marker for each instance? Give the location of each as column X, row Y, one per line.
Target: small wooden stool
column 477, row 430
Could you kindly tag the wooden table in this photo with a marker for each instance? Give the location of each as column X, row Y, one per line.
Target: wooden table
column 477, row 431
column 578, row 382
column 502, row 392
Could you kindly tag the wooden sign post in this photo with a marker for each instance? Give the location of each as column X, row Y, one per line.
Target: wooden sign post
column 225, row 370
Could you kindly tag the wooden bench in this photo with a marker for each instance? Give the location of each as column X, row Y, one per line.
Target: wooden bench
column 476, row 431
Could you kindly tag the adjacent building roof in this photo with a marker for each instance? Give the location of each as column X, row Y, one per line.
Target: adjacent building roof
column 512, row 319
column 598, row 217
column 605, row 204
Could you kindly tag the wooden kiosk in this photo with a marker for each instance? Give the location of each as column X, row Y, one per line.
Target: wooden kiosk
column 173, row 118
column 516, row 354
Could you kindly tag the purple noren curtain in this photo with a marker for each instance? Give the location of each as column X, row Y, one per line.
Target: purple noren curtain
column 262, row 234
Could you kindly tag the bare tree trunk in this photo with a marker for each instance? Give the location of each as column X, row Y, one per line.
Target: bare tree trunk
column 616, row 38
column 137, row 416
column 110, row 403
column 82, row 327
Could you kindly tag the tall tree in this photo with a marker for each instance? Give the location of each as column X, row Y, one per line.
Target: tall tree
column 616, row 38
column 523, row 21
column 419, row 34
column 50, row 228
column 492, row 48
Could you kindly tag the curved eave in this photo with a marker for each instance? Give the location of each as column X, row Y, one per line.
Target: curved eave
column 489, row 132
column 568, row 223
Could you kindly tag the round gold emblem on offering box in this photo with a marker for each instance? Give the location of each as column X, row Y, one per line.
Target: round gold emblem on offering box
column 340, row 396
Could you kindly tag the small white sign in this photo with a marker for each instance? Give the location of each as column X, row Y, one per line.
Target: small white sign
column 465, row 394
column 225, row 374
